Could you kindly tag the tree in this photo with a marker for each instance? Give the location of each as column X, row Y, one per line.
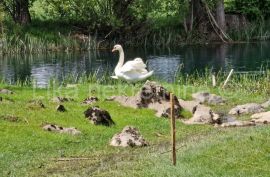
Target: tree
column 220, row 15
column 18, row 10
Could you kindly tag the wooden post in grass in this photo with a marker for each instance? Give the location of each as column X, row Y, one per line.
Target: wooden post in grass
column 228, row 78
column 173, row 129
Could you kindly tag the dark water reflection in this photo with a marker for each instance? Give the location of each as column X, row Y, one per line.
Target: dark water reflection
column 164, row 61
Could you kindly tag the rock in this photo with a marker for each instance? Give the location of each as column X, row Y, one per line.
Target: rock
column 61, row 99
column 246, row 109
column 237, row 123
column 261, row 118
column 90, row 100
column 6, row 91
column 152, row 96
column 61, row 108
column 266, row 104
column 129, row 137
column 35, row 104
column 205, row 97
column 59, row 129
column 98, row 116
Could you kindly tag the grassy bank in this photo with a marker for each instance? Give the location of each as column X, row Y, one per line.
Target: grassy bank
column 202, row 150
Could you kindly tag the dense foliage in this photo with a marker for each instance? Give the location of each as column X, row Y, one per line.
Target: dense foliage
column 254, row 9
column 155, row 22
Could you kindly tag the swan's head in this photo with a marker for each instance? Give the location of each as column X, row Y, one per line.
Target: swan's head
column 117, row 48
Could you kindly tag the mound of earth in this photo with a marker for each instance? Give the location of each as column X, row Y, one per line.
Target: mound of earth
column 152, row 96
column 35, row 104
column 61, row 108
column 201, row 114
column 10, row 118
column 59, row 99
column 59, row 129
column 205, row 97
column 261, row 118
column 129, row 137
column 90, row 100
column 98, row 116
column 246, row 109
column 5, row 91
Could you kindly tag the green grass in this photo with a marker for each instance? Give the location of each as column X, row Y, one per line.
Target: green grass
column 27, row 150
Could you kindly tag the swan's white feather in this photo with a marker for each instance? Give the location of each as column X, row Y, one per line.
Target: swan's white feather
column 131, row 71
column 136, row 65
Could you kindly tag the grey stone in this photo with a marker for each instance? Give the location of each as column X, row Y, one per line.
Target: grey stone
column 129, row 137
column 246, row 109
column 59, row 129
column 98, row 116
column 261, row 118
column 205, row 97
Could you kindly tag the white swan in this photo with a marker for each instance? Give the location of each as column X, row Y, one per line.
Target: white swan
column 131, row 71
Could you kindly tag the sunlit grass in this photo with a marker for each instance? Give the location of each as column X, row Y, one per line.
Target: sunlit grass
column 27, row 150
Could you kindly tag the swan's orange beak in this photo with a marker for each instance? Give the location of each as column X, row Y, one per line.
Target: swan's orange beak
column 113, row 50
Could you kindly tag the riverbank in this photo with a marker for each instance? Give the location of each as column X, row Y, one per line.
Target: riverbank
column 48, row 36
column 28, row 150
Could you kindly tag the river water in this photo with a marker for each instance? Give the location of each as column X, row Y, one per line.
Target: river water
column 245, row 57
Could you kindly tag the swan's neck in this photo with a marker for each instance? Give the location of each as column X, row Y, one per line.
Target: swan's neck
column 121, row 60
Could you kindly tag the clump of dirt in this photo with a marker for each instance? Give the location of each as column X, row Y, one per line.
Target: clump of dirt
column 59, row 129
column 10, row 118
column 90, row 100
column 61, row 108
column 98, row 116
column 59, row 99
column 5, row 91
column 152, row 96
column 129, row 137
column 35, row 104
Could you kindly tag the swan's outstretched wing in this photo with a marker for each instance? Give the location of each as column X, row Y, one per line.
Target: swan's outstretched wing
column 136, row 65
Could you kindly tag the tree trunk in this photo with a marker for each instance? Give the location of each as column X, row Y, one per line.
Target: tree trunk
column 18, row 10
column 120, row 9
column 220, row 15
column 22, row 14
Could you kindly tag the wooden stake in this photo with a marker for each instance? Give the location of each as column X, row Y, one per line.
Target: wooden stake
column 173, row 129
column 228, row 78
column 214, row 80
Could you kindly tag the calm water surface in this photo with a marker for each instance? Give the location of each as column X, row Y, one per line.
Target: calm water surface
column 164, row 61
